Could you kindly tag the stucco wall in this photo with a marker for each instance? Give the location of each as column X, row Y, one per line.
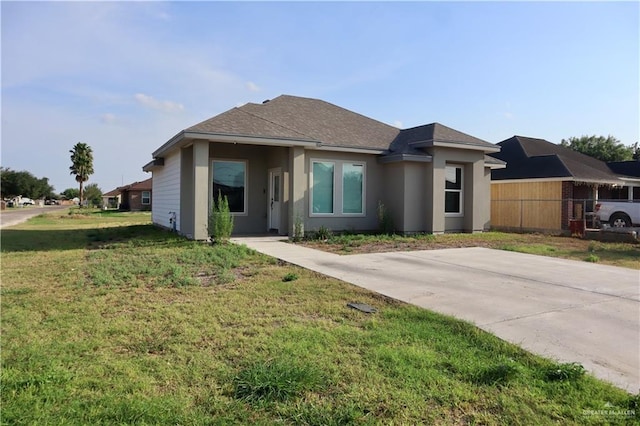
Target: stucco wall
column 373, row 193
column 405, row 186
column 166, row 190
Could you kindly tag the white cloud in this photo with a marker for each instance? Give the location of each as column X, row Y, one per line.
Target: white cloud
column 151, row 102
column 252, row 86
column 397, row 124
column 108, row 118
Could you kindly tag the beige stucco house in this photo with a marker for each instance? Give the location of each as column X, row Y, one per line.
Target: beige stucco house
column 295, row 160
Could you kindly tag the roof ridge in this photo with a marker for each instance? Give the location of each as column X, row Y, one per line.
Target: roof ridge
column 341, row 108
column 272, row 122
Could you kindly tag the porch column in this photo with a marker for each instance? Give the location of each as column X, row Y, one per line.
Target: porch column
column 475, row 197
column 200, row 190
column 437, row 198
column 297, row 186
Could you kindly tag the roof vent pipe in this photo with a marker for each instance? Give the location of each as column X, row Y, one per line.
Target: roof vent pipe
column 265, row 102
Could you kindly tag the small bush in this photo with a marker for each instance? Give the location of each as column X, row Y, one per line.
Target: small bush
column 592, row 258
column 290, row 277
column 323, row 233
column 275, row 380
column 385, row 223
column 571, row 371
column 298, row 229
column 220, row 220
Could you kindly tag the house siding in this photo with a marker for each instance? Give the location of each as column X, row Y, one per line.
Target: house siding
column 166, row 191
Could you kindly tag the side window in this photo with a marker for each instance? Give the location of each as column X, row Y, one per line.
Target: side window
column 453, row 190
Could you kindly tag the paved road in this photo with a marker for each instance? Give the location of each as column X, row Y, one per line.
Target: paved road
column 566, row 310
column 14, row 216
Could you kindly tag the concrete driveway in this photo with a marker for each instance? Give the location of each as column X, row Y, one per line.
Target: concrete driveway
column 566, row 310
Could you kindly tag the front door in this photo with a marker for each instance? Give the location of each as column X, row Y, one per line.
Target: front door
column 275, row 185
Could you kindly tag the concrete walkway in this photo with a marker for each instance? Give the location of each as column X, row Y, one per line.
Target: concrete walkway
column 566, row 310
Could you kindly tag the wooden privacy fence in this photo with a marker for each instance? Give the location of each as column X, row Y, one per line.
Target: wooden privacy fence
column 539, row 215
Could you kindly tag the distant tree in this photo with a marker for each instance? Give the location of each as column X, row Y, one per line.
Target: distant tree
column 636, row 152
column 13, row 183
column 605, row 149
column 70, row 193
column 93, row 195
column 81, row 165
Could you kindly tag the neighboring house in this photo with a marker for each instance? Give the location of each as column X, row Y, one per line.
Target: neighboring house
column 544, row 186
column 296, row 163
column 629, row 172
column 134, row 197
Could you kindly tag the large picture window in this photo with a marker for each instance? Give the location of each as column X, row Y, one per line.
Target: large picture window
column 337, row 188
column 322, row 187
column 453, row 190
column 230, row 180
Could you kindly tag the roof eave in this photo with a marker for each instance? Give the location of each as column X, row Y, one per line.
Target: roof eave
column 185, row 137
column 397, row 158
column 559, row 179
column 458, row 145
column 357, row 150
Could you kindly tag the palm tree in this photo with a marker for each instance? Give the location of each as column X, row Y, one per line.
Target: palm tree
column 81, row 164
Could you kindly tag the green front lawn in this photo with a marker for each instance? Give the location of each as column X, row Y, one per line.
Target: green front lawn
column 108, row 320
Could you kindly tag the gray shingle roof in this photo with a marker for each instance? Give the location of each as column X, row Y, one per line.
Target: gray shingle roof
column 434, row 133
column 292, row 117
column 625, row 168
column 530, row 158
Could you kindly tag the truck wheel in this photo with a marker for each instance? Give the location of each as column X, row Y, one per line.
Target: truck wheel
column 619, row 220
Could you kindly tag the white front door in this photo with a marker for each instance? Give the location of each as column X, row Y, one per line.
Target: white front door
column 275, row 188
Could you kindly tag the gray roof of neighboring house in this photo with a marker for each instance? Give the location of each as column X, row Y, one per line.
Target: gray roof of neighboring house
column 531, row 158
column 626, row 168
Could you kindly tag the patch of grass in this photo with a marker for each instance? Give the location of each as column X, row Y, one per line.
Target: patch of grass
column 276, row 380
column 117, row 322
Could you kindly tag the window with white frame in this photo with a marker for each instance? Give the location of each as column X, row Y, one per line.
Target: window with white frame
column 146, row 197
column 337, row 188
column 230, row 180
column 352, row 188
column 322, row 189
column 453, row 190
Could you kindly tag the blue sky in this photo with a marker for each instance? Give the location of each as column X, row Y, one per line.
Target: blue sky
column 125, row 77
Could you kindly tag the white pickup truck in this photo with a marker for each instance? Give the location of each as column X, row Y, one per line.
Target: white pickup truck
column 618, row 213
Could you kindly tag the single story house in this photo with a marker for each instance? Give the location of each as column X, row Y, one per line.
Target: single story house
column 544, row 185
column 134, row 197
column 629, row 172
column 299, row 163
